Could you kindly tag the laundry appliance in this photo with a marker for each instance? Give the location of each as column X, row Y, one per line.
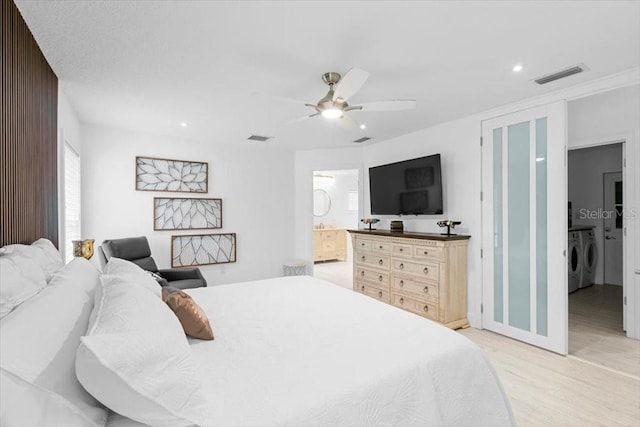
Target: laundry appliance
column 575, row 259
column 589, row 257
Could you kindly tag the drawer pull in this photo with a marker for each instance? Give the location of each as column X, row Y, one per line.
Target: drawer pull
column 401, row 300
column 426, row 252
column 380, row 278
column 401, row 266
column 380, row 294
column 362, row 258
column 401, row 283
column 362, row 288
column 380, row 247
column 426, row 289
column 401, row 250
column 362, row 273
column 426, row 308
column 380, row 262
column 426, row 270
column 362, row 244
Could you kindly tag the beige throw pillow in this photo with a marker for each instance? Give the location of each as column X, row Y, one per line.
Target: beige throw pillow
column 193, row 319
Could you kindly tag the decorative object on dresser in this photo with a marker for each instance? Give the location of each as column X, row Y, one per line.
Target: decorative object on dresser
column 137, row 250
column 83, row 248
column 423, row 273
column 397, row 226
column 203, row 249
column 449, row 224
column 329, row 244
column 153, row 174
column 369, row 221
column 179, row 213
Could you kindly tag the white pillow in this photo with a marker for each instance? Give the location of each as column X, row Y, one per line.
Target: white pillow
column 136, row 360
column 38, row 385
column 20, row 280
column 42, row 252
column 79, row 274
column 126, row 270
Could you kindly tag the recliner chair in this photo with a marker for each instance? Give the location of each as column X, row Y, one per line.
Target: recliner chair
column 137, row 250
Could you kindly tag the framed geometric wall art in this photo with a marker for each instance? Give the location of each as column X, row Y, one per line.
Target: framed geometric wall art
column 178, row 213
column 154, row 174
column 203, row 249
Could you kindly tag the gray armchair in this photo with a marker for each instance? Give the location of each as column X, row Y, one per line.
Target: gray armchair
column 137, row 250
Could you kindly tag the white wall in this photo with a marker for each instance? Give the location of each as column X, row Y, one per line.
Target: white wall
column 586, row 167
column 68, row 131
column 254, row 182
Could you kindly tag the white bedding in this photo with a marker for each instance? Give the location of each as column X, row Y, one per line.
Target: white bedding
column 298, row 351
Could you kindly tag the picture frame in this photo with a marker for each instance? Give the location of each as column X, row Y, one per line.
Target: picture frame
column 182, row 213
column 190, row 250
column 170, row 175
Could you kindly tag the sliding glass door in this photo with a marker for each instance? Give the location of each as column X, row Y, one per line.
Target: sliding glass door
column 524, row 224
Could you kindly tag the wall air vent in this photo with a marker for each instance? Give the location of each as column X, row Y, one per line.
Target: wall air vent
column 361, row 140
column 259, row 138
column 560, row 74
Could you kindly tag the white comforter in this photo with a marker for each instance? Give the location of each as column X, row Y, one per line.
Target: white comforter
column 299, row 351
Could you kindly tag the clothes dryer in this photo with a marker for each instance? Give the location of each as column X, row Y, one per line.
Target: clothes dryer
column 575, row 261
column 589, row 258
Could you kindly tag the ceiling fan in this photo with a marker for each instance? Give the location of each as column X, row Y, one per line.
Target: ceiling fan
column 334, row 104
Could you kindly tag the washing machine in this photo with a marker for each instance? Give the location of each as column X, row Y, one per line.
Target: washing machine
column 589, row 258
column 575, row 261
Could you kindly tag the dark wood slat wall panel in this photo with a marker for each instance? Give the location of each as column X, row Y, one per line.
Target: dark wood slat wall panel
column 28, row 163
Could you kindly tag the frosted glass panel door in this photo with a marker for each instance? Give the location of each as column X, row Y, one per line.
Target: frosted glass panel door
column 524, row 229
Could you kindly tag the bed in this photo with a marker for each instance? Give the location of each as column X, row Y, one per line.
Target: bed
column 299, row 351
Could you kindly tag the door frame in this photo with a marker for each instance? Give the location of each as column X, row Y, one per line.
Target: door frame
column 630, row 164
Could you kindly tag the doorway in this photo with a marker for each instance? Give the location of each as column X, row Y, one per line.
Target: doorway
column 335, row 210
column 596, row 308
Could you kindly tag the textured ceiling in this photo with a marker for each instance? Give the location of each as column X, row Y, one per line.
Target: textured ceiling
column 149, row 65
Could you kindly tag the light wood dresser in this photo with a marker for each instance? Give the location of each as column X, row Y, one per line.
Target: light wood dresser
column 329, row 243
column 423, row 273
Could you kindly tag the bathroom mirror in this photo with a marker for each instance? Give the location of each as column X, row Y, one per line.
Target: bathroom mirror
column 321, row 203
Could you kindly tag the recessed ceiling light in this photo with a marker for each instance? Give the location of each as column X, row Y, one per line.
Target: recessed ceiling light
column 517, row 68
column 363, row 126
column 183, row 124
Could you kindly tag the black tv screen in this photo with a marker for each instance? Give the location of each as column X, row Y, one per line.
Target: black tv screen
column 411, row 187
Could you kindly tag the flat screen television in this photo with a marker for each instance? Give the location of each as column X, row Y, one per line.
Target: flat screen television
column 411, row 187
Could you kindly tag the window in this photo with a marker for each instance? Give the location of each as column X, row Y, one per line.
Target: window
column 71, row 200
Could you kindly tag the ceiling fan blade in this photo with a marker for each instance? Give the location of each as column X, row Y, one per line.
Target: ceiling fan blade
column 303, row 118
column 394, row 105
column 350, row 84
column 283, row 99
column 348, row 122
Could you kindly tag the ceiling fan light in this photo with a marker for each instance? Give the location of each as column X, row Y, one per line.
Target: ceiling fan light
column 332, row 113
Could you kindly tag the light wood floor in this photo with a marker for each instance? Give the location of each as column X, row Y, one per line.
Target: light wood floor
column 595, row 329
column 546, row 389
column 338, row 272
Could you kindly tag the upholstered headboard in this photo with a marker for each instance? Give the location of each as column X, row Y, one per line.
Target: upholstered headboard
column 28, row 149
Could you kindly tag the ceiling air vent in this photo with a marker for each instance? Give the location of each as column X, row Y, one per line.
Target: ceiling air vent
column 560, row 74
column 259, row 138
column 361, row 140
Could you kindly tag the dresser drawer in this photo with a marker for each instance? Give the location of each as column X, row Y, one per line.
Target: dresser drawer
column 378, row 277
column 373, row 291
column 403, row 250
column 364, row 245
column 426, row 252
column 414, row 305
column 382, row 247
column 424, row 270
column 428, row 291
column 329, row 235
column 374, row 260
column 328, row 246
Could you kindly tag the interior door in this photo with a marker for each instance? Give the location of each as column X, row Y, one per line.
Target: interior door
column 613, row 224
column 524, row 226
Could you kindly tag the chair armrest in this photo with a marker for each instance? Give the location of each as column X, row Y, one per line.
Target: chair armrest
column 182, row 274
